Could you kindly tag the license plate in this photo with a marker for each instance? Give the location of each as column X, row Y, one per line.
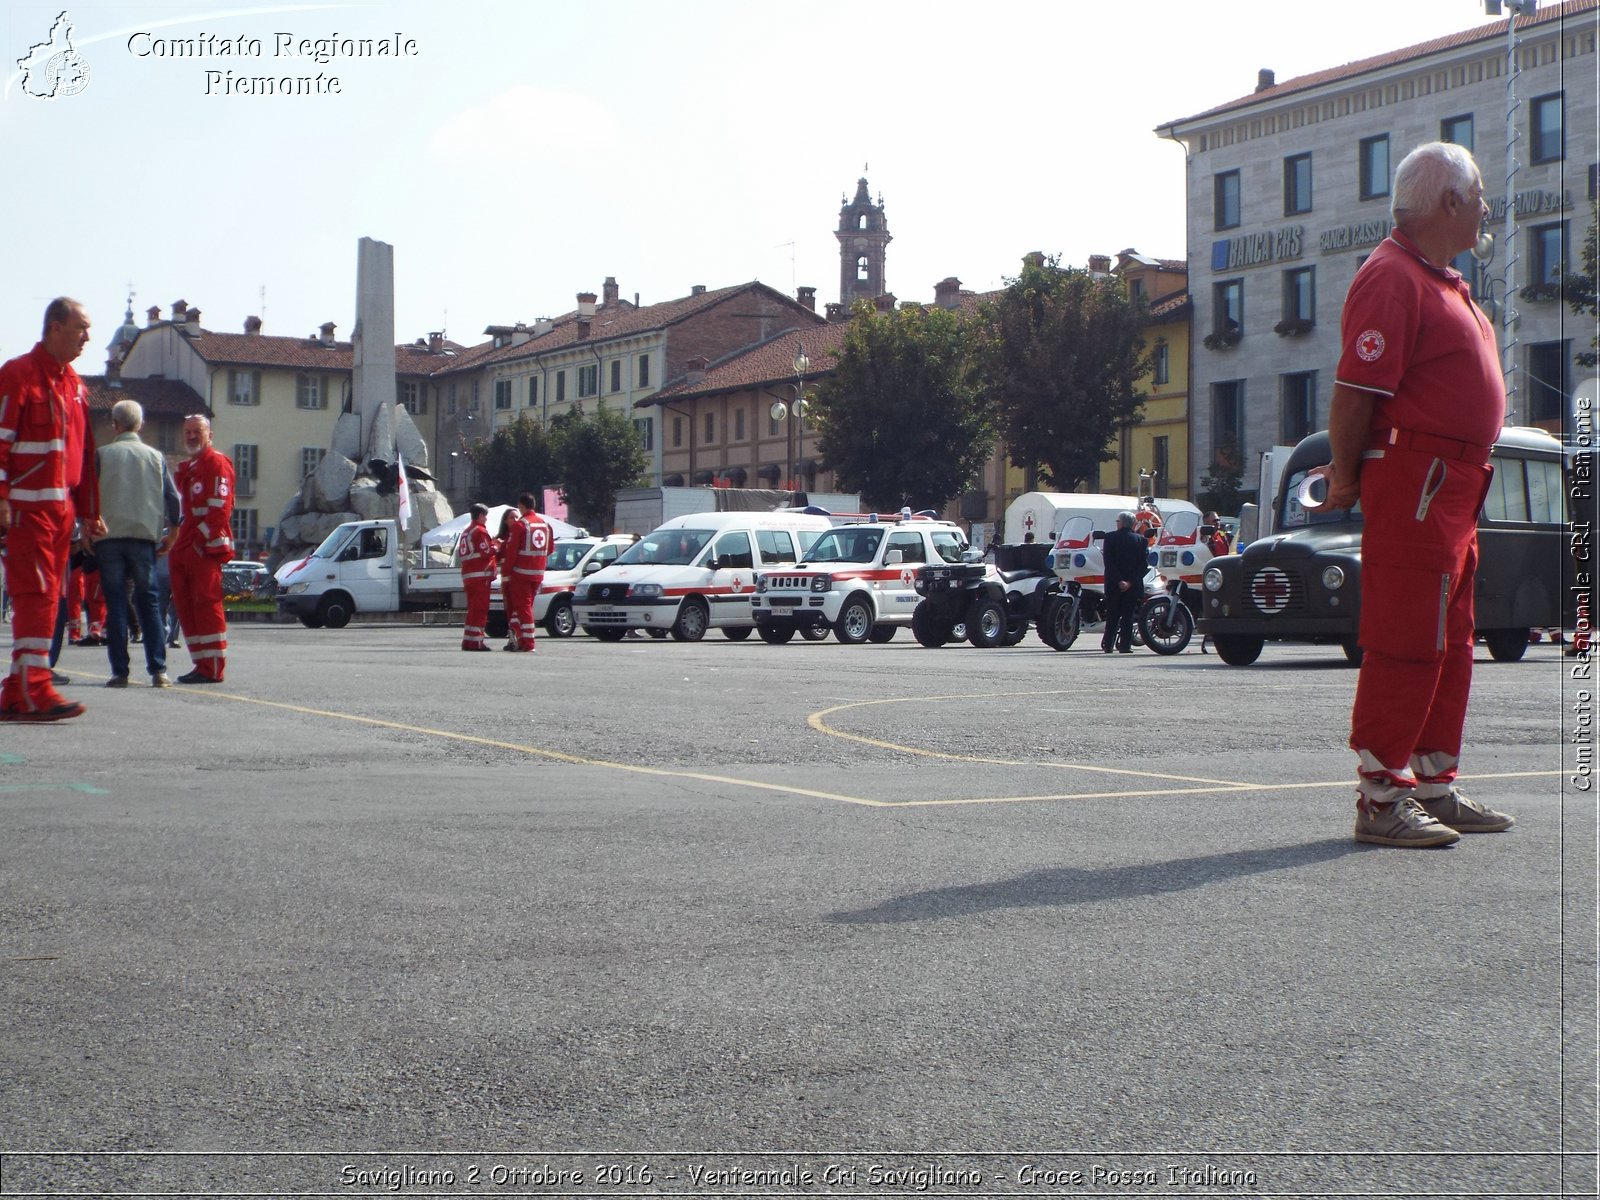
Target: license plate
column 784, row 601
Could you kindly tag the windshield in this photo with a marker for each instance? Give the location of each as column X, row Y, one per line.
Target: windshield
column 666, row 547
column 564, row 556
column 855, row 545
column 1297, row 516
column 332, row 544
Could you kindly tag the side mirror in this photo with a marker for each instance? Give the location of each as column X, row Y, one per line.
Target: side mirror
column 589, row 568
column 713, row 563
column 895, row 558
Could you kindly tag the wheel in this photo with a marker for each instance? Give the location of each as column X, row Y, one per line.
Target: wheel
column 928, row 630
column 559, row 621
column 658, row 634
column 737, row 633
column 986, row 624
column 882, row 633
column 854, row 625
column 1058, row 624
column 1506, row 645
column 1015, row 632
column 693, row 620
column 1167, row 625
column 605, row 633
column 311, row 621
column 815, row 633
column 1352, row 652
column 1238, row 649
column 776, row 635
column 335, row 610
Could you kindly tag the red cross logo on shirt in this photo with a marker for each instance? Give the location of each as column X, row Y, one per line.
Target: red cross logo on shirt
column 1369, row 346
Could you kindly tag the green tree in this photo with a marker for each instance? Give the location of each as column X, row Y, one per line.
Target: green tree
column 595, row 456
column 1222, row 486
column 518, row 458
column 1580, row 288
column 901, row 418
column 1061, row 351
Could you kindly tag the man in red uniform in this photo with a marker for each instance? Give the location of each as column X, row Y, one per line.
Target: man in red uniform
column 526, row 550
column 1418, row 400
column 47, row 481
column 479, row 550
column 204, row 543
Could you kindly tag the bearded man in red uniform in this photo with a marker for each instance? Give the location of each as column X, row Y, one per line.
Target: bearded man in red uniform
column 47, row 481
column 526, row 551
column 203, row 544
column 479, row 552
column 1418, row 401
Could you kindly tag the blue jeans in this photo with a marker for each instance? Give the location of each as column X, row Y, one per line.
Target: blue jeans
column 121, row 560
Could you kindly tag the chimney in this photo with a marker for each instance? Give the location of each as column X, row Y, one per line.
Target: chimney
column 698, row 289
column 436, row 342
column 695, row 373
column 152, row 315
column 519, row 334
column 252, row 325
column 947, row 292
column 327, row 333
column 608, row 290
column 834, row 312
column 180, row 309
column 1265, row 79
column 585, row 313
column 192, row 317
column 542, row 326
column 884, row 303
column 807, row 297
column 1099, row 264
column 1036, row 260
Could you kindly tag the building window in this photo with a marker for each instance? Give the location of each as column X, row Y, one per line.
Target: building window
column 1375, row 167
column 310, row 456
column 1457, row 130
column 1227, row 419
column 533, row 391
column 502, row 395
column 1161, row 370
column 1298, row 418
column 411, row 396
column 561, row 387
column 1136, row 290
column 244, row 527
column 167, row 436
column 677, row 433
column 450, row 399
column 589, row 380
column 644, row 370
column 308, row 392
column 616, row 374
column 1549, row 380
column 645, row 427
column 1160, row 461
column 1300, row 294
column 711, row 429
column 244, row 387
column 473, row 406
column 1228, row 302
column 1226, row 196
column 1544, row 129
column 244, row 469
column 1549, row 259
column 738, row 424
column 863, row 269
column 1296, row 184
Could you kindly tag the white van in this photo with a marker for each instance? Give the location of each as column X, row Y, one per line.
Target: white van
column 693, row 573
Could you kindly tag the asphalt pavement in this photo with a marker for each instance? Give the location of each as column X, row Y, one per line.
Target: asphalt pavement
column 377, row 917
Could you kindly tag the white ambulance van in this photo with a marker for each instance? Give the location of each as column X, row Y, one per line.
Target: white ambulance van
column 694, row 573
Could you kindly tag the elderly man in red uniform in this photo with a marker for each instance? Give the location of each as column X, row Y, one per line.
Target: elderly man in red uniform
column 479, row 551
column 1418, row 400
column 526, row 550
column 203, row 544
column 47, row 481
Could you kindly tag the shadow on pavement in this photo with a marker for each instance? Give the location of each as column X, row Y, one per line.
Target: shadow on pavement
column 1079, row 885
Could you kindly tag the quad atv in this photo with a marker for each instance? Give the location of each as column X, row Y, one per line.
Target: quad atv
column 993, row 606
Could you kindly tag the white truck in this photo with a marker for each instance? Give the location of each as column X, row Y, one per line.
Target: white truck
column 643, row 510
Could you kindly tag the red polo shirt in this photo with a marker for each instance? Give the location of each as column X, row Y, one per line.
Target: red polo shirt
column 1414, row 338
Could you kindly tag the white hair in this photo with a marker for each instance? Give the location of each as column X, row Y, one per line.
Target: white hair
column 127, row 415
column 1426, row 174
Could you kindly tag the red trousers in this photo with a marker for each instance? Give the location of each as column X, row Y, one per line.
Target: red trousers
column 473, row 632
column 1419, row 554
column 519, row 593
column 197, row 595
column 94, row 603
column 37, row 546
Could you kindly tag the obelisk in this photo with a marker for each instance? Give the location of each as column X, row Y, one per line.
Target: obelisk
column 372, row 347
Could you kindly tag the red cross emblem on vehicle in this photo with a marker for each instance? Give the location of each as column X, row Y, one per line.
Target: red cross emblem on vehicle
column 738, row 584
column 907, row 577
column 1270, row 591
column 1027, row 522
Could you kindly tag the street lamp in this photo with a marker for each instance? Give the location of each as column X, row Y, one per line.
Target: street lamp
column 792, row 413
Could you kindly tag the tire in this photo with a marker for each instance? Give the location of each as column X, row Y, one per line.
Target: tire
column 335, row 610
column 1506, row 645
column 815, row 633
column 854, row 625
column 882, row 633
column 312, row 621
column 658, row 634
column 693, row 620
column 986, row 624
column 928, row 631
column 1015, row 632
column 559, row 621
column 605, row 633
column 1238, row 649
column 1353, row 654
column 1167, row 625
column 1058, row 624
column 776, row 635
column 737, row 633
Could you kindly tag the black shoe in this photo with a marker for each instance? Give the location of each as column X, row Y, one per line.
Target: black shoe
column 1105, row 649
column 1124, row 649
column 196, row 677
column 117, row 681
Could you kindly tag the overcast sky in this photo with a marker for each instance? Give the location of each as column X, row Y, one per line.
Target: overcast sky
column 525, row 151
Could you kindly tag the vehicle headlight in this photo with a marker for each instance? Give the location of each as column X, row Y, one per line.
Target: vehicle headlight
column 1213, row 579
column 294, row 589
column 822, row 583
column 580, row 594
column 645, row 591
column 761, row 583
column 1333, row 578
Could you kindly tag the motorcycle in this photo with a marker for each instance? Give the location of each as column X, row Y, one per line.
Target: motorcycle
column 1163, row 621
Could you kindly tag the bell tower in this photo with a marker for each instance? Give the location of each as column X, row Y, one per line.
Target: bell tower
column 863, row 239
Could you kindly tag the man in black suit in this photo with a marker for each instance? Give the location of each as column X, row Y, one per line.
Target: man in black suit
column 1126, row 559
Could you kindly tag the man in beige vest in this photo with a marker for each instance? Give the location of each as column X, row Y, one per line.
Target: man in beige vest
column 140, row 506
